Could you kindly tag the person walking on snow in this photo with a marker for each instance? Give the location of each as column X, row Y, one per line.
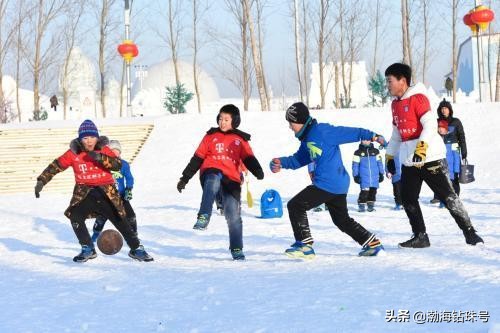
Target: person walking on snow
column 95, row 192
column 368, row 172
column 422, row 153
column 319, row 143
column 218, row 158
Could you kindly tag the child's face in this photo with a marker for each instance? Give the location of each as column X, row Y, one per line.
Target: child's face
column 225, row 122
column 295, row 127
column 445, row 111
column 117, row 152
column 365, row 142
column 396, row 87
column 442, row 130
column 89, row 142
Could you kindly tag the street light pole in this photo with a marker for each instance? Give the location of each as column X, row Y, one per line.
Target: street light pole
column 127, row 65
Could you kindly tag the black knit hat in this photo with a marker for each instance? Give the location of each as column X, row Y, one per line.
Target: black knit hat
column 444, row 104
column 234, row 112
column 297, row 113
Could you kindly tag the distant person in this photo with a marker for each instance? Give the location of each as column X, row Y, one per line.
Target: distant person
column 124, row 181
column 454, row 137
column 320, row 143
column 218, row 158
column 452, row 156
column 53, row 102
column 368, row 172
column 422, row 153
column 448, row 85
column 94, row 192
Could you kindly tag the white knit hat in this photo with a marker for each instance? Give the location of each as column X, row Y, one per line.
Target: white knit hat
column 115, row 144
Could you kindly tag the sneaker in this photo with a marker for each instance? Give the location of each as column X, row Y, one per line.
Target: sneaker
column 471, row 237
column 361, row 208
column 201, row 222
column 371, row 206
column 420, row 240
column 237, row 254
column 371, row 249
column 95, row 235
column 300, row 250
column 441, row 205
column 86, row 254
column 434, row 201
column 140, row 254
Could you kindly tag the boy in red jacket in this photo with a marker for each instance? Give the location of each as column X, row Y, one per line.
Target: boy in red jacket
column 218, row 158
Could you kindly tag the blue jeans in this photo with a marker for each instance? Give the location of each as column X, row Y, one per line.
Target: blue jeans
column 211, row 186
column 232, row 208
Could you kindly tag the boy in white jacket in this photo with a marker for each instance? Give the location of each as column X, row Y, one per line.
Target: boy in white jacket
column 422, row 154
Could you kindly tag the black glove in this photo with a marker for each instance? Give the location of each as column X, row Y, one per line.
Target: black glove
column 95, row 156
column 181, row 185
column 38, row 188
column 128, row 194
column 390, row 164
column 380, row 177
column 357, row 179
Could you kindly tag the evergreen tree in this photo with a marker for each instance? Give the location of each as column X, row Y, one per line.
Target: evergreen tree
column 378, row 89
column 176, row 98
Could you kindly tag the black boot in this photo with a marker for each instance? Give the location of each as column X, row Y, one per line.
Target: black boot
column 419, row 240
column 471, row 237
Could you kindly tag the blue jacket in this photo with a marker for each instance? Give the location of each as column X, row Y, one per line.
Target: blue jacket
column 320, row 144
column 124, row 178
column 453, row 159
column 367, row 164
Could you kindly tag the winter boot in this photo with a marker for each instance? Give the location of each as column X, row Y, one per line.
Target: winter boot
column 420, row 240
column 140, row 254
column 300, row 250
column 442, row 205
column 372, row 248
column 237, row 254
column 361, row 207
column 398, row 207
column 201, row 222
column 471, row 237
column 86, row 254
column 371, row 206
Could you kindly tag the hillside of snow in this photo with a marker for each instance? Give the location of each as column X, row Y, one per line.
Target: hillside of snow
column 194, row 286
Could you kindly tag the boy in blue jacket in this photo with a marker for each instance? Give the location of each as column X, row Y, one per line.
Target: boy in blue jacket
column 319, row 143
column 396, row 183
column 368, row 172
column 124, row 182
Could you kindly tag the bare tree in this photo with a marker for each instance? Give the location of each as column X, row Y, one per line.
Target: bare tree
column 425, row 56
column 375, row 46
column 22, row 15
column 260, row 23
column 405, row 25
column 44, row 52
column 298, row 61
column 454, row 54
column 5, row 42
column 324, row 33
column 196, row 18
column 174, row 29
column 259, row 74
column 305, row 43
column 73, row 16
column 497, row 92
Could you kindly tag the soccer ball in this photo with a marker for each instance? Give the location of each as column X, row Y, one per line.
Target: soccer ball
column 110, row 242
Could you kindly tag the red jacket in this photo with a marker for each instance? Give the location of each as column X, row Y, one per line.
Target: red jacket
column 225, row 152
column 87, row 171
column 406, row 114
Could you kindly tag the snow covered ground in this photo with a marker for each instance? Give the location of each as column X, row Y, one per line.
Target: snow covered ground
column 194, row 286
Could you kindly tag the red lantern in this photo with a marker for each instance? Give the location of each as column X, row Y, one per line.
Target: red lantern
column 482, row 16
column 468, row 22
column 128, row 50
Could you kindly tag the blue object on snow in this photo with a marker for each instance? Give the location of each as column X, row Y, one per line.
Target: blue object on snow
column 271, row 205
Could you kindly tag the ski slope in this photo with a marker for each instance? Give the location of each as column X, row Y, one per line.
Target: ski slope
column 194, row 286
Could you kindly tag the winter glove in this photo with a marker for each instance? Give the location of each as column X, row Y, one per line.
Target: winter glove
column 380, row 140
column 390, row 165
column 275, row 165
column 380, row 177
column 181, row 185
column 95, row 156
column 420, row 154
column 357, row 179
column 128, row 194
column 38, row 188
